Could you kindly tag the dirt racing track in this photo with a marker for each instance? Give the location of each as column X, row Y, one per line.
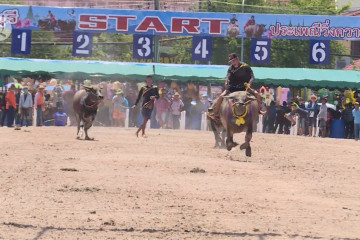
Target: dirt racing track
column 174, row 185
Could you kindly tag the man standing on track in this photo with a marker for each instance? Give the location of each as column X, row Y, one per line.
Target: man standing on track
column 148, row 93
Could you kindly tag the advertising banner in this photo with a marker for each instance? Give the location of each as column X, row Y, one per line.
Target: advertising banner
column 320, row 27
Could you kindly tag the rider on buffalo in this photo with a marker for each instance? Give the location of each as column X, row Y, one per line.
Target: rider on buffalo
column 239, row 78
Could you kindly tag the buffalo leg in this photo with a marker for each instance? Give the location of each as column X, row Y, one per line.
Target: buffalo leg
column 218, row 140
column 86, row 128
column 246, row 145
column 223, row 136
column 230, row 141
column 78, row 125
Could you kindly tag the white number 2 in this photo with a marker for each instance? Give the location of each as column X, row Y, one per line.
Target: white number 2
column 201, row 48
column 318, row 48
column 260, row 47
column 145, row 44
column 85, row 40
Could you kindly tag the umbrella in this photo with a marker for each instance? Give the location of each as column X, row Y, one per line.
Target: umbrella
column 51, row 87
column 17, row 85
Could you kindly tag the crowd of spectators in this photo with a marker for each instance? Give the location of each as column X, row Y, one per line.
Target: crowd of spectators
column 306, row 117
column 52, row 105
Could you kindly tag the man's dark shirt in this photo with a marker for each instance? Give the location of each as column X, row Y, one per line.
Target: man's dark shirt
column 237, row 76
column 146, row 92
column 302, row 113
column 233, row 21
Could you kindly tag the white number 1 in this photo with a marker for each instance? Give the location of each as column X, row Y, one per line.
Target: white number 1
column 23, row 41
column 201, row 48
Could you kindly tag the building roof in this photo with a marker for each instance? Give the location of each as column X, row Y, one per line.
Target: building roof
column 352, row 13
column 353, row 66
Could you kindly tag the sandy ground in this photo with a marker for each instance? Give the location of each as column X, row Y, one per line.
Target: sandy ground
column 123, row 187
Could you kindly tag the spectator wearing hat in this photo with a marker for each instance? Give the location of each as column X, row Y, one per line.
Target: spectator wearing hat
column 348, row 118
column 10, row 105
column 39, row 105
column 301, row 127
column 162, row 106
column 205, row 101
column 176, row 107
column 119, row 105
column 322, row 116
column 17, row 110
column 356, row 114
column 295, row 110
column 25, row 106
column 3, row 108
column 312, row 109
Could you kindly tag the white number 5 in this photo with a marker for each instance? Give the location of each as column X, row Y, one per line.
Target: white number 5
column 260, row 47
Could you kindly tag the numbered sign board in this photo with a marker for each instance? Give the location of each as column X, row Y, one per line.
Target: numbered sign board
column 260, row 51
column 21, row 41
column 319, row 52
column 142, row 46
column 201, row 48
column 82, row 44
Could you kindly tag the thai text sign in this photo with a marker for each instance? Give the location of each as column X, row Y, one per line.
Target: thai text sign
column 181, row 23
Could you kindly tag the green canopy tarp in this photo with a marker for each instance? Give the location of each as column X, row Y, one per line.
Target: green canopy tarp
column 293, row 77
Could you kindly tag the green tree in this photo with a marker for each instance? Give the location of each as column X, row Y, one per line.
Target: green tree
column 284, row 52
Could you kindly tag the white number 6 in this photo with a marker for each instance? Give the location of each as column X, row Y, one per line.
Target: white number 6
column 318, row 48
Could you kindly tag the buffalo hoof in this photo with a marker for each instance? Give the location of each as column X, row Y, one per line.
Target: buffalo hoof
column 245, row 145
column 228, row 147
column 248, row 152
column 78, row 137
column 88, row 138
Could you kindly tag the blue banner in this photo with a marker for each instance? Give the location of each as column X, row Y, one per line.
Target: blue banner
column 214, row 24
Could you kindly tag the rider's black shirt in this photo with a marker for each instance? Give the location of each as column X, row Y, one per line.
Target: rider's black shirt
column 146, row 92
column 237, row 76
column 233, row 21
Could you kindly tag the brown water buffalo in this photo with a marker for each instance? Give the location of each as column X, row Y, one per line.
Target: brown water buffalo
column 232, row 30
column 85, row 105
column 239, row 112
column 255, row 31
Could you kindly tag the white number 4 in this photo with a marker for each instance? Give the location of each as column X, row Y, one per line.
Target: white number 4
column 260, row 47
column 202, row 49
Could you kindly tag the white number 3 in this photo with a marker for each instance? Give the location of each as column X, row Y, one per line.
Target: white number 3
column 145, row 44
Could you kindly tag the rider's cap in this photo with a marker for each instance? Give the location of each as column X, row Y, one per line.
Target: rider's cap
column 232, row 56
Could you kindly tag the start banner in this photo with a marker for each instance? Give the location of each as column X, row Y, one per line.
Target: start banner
column 320, row 27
